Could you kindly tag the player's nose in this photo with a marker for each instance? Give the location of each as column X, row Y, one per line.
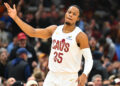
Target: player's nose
column 70, row 15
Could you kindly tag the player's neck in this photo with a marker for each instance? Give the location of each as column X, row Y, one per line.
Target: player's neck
column 68, row 28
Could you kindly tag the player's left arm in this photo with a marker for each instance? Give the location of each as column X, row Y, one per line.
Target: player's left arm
column 82, row 40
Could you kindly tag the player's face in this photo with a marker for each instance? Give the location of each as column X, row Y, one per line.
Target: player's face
column 72, row 15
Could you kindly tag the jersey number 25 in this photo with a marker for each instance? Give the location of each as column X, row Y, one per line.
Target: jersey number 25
column 58, row 57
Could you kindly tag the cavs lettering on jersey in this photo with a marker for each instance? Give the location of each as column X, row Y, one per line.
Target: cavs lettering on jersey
column 65, row 55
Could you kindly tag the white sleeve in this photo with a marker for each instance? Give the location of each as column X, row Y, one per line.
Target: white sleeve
column 88, row 60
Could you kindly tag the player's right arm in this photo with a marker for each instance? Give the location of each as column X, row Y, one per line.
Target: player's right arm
column 29, row 30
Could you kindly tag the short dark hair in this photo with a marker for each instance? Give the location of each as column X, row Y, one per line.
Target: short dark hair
column 76, row 7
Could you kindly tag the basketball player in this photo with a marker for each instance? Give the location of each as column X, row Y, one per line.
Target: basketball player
column 69, row 43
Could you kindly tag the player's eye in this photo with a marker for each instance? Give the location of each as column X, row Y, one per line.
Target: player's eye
column 69, row 12
column 74, row 14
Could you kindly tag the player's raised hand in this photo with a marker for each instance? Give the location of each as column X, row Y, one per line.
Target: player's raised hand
column 11, row 11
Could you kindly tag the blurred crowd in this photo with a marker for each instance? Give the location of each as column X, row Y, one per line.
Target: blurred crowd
column 24, row 60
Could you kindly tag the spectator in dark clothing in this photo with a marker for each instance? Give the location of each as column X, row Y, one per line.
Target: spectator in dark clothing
column 18, row 67
column 45, row 46
column 3, row 61
column 22, row 43
column 97, row 66
column 15, row 29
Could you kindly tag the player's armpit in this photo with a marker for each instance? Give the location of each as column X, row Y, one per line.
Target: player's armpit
column 82, row 40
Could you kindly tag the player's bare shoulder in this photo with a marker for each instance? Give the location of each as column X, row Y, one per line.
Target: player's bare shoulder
column 81, row 36
column 82, row 39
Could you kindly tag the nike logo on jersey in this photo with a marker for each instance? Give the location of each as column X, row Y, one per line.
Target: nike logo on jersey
column 69, row 38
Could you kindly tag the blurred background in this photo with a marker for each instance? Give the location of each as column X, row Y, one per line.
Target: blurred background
column 100, row 20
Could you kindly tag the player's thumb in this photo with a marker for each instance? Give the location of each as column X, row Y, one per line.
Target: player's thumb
column 14, row 7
